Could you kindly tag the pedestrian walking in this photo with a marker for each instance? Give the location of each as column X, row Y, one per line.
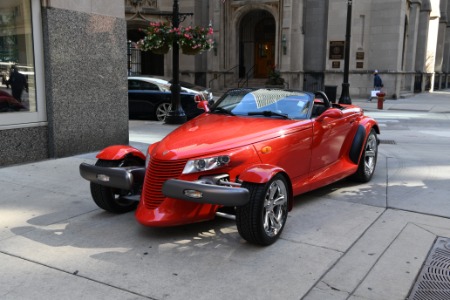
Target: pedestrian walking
column 377, row 84
column 18, row 83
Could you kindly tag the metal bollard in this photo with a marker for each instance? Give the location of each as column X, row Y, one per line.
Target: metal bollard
column 380, row 96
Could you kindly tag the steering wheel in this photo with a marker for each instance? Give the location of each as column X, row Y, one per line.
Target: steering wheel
column 324, row 97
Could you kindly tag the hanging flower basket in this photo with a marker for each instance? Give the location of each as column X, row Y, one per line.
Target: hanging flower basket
column 158, row 38
column 194, row 40
column 161, row 50
column 188, row 50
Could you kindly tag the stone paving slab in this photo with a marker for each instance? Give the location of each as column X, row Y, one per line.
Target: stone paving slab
column 385, row 261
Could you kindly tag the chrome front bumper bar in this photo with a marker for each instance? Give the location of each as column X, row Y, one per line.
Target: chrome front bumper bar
column 201, row 192
column 122, row 178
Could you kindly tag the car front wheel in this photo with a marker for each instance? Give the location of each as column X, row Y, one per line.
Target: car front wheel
column 262, row 219
column 162, row 110
column 110, row 199
column 368, row 160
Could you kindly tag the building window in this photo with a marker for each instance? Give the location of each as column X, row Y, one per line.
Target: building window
column 22, row 100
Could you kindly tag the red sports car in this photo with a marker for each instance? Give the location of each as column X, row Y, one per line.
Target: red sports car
column 246, row 158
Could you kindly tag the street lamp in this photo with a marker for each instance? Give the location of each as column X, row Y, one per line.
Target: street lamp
column 345, row 96
column 176, row 114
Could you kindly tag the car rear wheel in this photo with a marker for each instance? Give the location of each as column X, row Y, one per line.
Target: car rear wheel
column 262, row 219
column 110, row 199
column 368, row 160
column 162, row 110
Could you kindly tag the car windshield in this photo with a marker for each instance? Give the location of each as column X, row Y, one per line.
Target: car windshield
column 265, row 103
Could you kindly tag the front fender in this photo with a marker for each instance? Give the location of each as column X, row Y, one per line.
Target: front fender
column 118, row 152
column 361, row 135
column 259, row 173
column 262, row 174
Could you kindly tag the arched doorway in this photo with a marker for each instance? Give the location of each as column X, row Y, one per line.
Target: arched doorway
column 257, row 44
column 145, row 63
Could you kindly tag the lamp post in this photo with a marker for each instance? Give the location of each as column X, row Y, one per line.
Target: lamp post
column 176, row 114
column 345, row 96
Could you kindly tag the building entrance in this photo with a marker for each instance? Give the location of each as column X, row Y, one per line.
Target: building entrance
column 257, row 44
column 264, row 47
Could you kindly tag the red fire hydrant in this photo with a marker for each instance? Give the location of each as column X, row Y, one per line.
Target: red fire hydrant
column 380, row 96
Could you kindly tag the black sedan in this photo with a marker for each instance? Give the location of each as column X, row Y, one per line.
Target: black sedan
column 151, row 98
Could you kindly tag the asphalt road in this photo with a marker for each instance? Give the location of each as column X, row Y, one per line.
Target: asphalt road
column 344, row 241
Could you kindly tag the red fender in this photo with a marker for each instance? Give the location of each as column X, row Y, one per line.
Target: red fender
column 118, row 152
column 262, row 174
column 259, row 173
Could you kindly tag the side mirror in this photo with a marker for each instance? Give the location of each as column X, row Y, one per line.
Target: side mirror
column 201, row 103
column 333, row 113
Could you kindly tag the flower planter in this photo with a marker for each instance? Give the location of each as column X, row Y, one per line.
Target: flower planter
column 161, row 50
column 189, row 51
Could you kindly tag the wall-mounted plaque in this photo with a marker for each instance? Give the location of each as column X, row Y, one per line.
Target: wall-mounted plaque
column 336, row 64
column 359, row 55
column 359, row 65
column 337, row 50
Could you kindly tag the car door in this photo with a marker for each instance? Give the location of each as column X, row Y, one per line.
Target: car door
column 143, row 96
column 329, row 135
column 291, row 151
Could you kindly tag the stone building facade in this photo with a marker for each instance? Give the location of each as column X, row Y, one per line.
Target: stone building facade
column 77, row 54
column 407, row 41
column 74, row 56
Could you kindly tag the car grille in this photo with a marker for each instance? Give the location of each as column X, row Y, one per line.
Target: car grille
column 158, row 172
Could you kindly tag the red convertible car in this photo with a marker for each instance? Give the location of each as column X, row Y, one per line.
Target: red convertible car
column 246, row 158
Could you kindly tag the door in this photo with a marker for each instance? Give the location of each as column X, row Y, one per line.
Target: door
column 265, row 56
column 143, row 97
column 328, row 140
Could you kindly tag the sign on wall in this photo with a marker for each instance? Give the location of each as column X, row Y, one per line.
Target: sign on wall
column 336, row 64
column 337, row 50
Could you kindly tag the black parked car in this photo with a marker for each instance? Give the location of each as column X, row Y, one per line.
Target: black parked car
column 151, row 98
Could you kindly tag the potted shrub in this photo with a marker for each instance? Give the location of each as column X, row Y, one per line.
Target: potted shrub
column 275, row 79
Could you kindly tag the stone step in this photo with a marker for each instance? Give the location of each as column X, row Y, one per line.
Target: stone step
column 406, row 94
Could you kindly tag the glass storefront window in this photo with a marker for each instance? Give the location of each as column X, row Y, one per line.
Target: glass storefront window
column 20, row 55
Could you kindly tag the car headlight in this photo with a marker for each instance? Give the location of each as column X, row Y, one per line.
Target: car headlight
column 206, row 164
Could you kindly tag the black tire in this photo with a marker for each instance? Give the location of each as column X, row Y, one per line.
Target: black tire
column 108, row 198
column 162, row 110
column 368, row 160
column 262, row 219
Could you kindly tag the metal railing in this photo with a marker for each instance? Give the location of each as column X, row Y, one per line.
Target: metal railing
column 244, row 80
column 224, row 74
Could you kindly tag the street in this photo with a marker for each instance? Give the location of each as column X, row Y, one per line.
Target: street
column 344, row 241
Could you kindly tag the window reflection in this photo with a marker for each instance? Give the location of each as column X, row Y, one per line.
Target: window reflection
column 17, row 89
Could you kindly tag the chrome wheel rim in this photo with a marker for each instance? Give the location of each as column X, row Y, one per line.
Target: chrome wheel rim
column 370, row 155
column 162, row 110
column 275, row 208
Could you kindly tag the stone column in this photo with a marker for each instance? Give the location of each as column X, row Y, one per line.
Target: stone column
column 446, row 61
column 411, row 45
column 422, row 35
column 441, row 36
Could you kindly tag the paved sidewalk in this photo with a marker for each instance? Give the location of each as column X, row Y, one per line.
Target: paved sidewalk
column 436, row 102
column 340, row 242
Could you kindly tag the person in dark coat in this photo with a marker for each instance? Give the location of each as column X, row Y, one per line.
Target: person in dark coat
column 377, row 82
column 18, row 83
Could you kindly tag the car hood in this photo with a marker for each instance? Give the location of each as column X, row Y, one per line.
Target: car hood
column 213, row 133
